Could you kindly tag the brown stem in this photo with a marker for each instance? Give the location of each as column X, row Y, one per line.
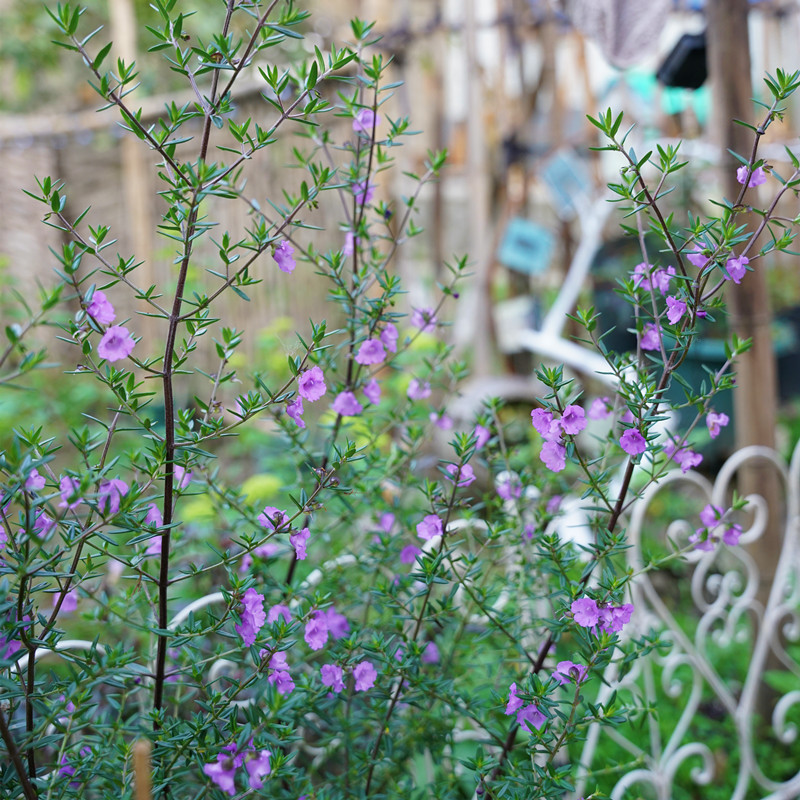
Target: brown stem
column 28, row 788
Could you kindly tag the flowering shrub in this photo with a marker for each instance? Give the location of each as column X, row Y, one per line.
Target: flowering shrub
column 355, row 638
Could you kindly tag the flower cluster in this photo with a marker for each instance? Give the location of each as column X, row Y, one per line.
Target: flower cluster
column 364, row 674
column 526, row 715
column 607, row 619
column 714, row 529
column 223, row 770
column 554, row 451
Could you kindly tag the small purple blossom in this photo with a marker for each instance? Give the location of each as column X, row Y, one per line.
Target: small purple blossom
column 613, row 618
column 650, row 338
column 277, row 611
column 258, row 767
column 69, row 488
column 117, row 343
column 332, row 676
column 70, row 602
column 600, row 408
column 337, row 623
column 510, row 488
column 554, row 456
column 460, row 476
column 387, row 521
column 100, row 309
column 284, row 257
column 346, row 405
column 736, row 268
column 424, row 319
column 311, row 384
column 316, row 632
column 530, row 714
column 294, row 411
column 34, row 482
column 553, row 504
column 408, row 555
column 676, row 308
column 569, row 672
column 757, row 177
column 514, row 702
column 715, row 422
column 44, row 524
column 697, row 257
column 632, row 442
column 273, row 519
column 365, row 120
column 365, row 675
column 363, row 192
column 110, row 494
column 371, row 352
column 573, row 420
column 662, row 279
column 298, row 540
column 441, row 420
column 585, row 612
column 372, row 391
column 417, row 390
column 542, row 419
column 482, row 435
column 430, row 655
column 430, row 527
column 389, row 337
column 253, row 616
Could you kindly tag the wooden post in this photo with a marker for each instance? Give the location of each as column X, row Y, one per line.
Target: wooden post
column 755, row 395
column 142, row 780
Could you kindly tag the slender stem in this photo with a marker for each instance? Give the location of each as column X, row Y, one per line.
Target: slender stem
column 28, row 788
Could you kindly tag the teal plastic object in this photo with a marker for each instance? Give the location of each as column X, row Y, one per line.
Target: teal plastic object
column 526, row 247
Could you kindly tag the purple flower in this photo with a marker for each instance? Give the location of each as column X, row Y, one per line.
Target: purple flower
column 294, row 410
column 542, row 419
column 632, row 442
column 715, row 422
column 372, row 391
column 387, row 521
column 553, row 504
column 258, row 768
column 482, row 435
column 365, row 120
column 346, row 405
column 69, row 488
column 280, row 678
column 100, row 309
column 736, row 268
column 370, row 352
column 530, row 714
column 284, row 257
column 154, row 518
column 675, row 309
column 34, row 482
column 363, row 192
column 273, row 518
column 430, row 655
column 600, row 408
column 642, row 276
column 311, row 384
column 568, row 671
column 279, row 610
column 365, row 675
column 441, row 420
column 417, row 390
column 430, row 527
column 554, row 456
column 585, row 612
column 70, row 602
column 757, row 177
column 110, row 494
column 731, row 535
column 408, row 555
column 298, row 540
column 181, row 476
column 116, row 344
column 223, row 772
column 337, row 623
column 613, row 618
column 316, row 632
column 460, row 476
column 514, row 702
column 573, row 420
column 650, row 338
column 253, row 616
column 332, row 676
column 697, row 257
column 44, row 524
column 424, row 319
column 510, row 488
column 685, row 458
column 389, row 336
column 662, row 279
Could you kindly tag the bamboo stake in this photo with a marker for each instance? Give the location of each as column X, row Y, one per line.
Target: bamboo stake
column 142, row 781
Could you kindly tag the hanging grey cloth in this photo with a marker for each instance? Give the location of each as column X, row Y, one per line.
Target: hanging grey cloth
column 627, row 31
